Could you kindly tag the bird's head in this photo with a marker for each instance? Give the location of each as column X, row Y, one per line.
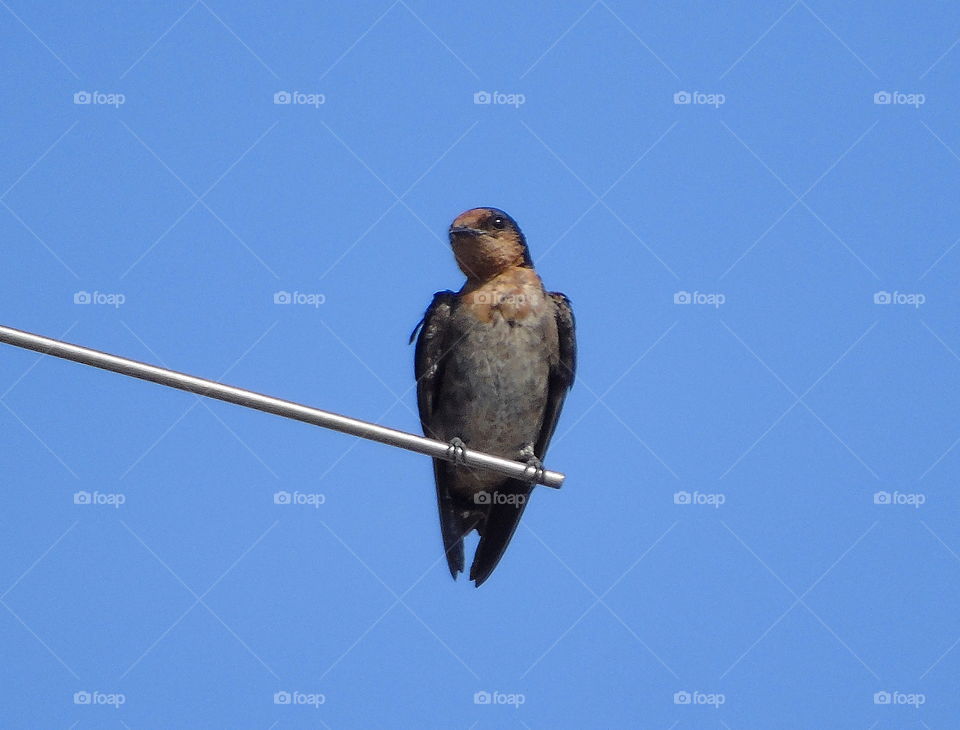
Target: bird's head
column 486, row 242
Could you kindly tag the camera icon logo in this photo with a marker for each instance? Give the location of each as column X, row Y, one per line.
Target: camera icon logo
column 282, row 97
column 81, row 297
column 481, row 498
column 81, row 698
column 681, row 498
column 281, row 497
column 82, row 97
column 682, row 297
column 682, row 97
column 81, row 497
column 282, row 297
column 881, row 698
column 481, row 698
column 882, row 297
column 281, row 698
column 883, row 97
column 482, row 97
column 682, row 698
column 881, row 498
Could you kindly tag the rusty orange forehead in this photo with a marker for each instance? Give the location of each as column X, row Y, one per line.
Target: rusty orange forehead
column 471, row 218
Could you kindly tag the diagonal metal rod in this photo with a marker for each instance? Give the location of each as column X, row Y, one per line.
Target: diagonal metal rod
column 268, row 404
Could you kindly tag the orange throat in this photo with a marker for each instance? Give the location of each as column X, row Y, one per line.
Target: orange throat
column 481, row 258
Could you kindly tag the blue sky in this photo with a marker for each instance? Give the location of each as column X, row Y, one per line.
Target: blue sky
column 753, row 210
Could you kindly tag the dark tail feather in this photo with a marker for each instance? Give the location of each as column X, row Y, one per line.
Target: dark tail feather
column 498, row 528
column 454, row 526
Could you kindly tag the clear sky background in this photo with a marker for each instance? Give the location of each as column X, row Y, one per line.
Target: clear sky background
column 781, row 399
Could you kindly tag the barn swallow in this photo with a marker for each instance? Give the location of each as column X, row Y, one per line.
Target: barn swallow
column 494, row 362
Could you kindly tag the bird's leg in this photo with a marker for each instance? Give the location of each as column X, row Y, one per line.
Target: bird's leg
column 534, row 466
column 455, row 451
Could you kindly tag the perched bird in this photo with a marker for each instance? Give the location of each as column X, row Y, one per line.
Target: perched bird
column 493, row 364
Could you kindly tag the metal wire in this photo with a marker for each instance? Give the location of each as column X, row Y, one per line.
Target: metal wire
column 285, row 408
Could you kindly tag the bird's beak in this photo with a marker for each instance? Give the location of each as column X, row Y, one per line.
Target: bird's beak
column 464, row 231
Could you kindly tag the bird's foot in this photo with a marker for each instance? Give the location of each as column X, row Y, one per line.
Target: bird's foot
column 455, row 452
column 534, row 472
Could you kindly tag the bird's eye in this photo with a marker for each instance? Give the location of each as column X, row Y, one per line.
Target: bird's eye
column 498, row 222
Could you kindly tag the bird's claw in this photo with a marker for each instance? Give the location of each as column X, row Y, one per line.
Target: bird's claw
column 534, row 470
column 455, row 452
